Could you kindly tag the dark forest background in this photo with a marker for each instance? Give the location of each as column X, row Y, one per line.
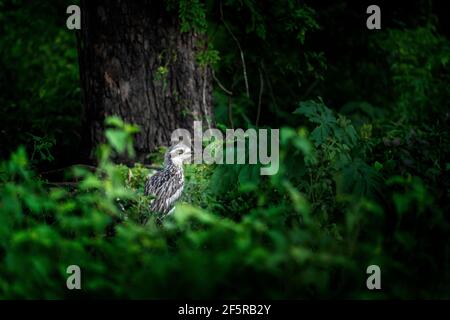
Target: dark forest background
column 364, row 150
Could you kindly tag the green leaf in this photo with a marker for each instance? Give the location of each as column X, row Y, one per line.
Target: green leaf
column 117, row 139
column 114, row 121
column 358, row 178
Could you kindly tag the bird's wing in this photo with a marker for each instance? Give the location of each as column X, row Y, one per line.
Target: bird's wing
column 166, row 186
column 152, row 183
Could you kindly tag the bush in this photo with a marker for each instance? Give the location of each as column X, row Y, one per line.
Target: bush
column 302, row 233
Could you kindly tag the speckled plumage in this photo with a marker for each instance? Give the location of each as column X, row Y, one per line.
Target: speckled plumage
column 167, row 185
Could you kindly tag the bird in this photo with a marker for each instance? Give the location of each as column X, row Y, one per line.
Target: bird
column 167, row 184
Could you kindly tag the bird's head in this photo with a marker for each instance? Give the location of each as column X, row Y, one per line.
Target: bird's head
column 178, row 154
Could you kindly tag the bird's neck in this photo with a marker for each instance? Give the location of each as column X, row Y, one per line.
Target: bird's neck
column 178, row 165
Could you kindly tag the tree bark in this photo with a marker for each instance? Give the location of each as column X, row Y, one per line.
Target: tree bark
column 136, row 63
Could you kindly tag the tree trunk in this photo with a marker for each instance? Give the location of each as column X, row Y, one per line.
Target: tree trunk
column 136, row 63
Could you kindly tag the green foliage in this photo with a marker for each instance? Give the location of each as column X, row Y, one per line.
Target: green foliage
column 41, row 148
column 120, row 136
column 329, row 126
column 420, row 70
column 295, row 229
column 302, row 21
column 341, row 151
column 39, row 81
column 191, row 14
column 272, row 41
column 208, row 57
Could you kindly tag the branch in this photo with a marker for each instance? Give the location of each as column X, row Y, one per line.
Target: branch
column 261, row 88
column 244, row 69
column 152, row 167
column 63, row 184
column 309, row 89
column 230, row 112
column 205, row 74
column 220, row 84
column 91, row 168
column 269, row 83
